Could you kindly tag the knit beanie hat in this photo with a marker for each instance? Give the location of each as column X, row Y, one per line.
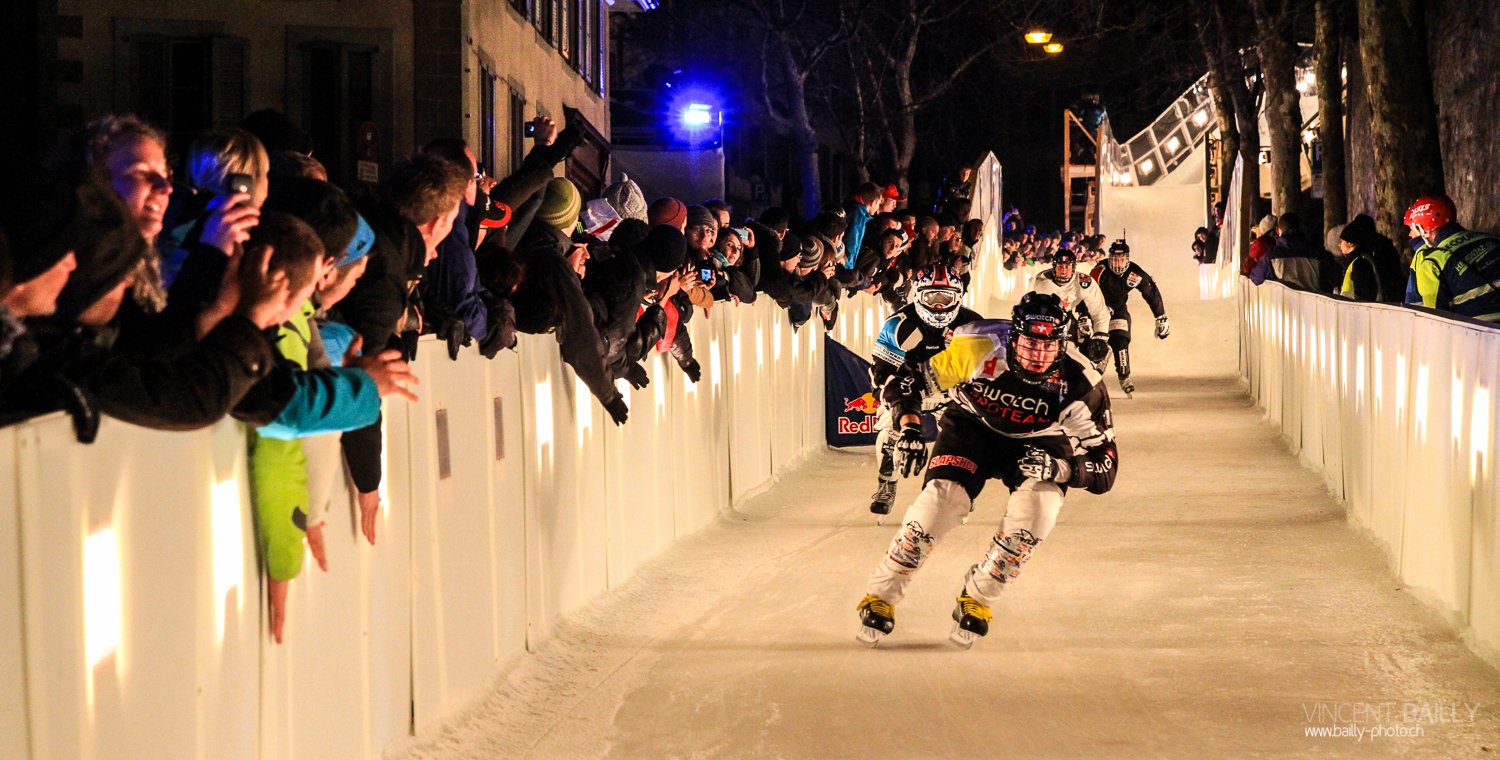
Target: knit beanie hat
column 668, row 211
column 626, row 198
column 1358, row 229
column 812, row 253
column 560, row 205
column 699, row 216
column 664, row 247
column 1266, row 225
column 41, row 218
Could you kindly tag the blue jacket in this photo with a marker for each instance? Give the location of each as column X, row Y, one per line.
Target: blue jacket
column 453, row 278
column 855, row 236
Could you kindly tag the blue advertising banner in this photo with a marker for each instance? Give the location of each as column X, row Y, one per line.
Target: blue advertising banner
column 850, row 406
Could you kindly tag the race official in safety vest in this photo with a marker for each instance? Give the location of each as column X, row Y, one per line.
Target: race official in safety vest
column 1458, row 270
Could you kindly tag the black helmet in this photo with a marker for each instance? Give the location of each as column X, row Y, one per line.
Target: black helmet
column 1119, row 248
column 1039, row 319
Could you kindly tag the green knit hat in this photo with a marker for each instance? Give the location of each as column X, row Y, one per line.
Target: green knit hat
column 561, row 205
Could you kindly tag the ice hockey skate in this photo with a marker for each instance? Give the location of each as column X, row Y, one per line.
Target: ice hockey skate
column 876, row 618
column 1128, row 387
column 971, row 619
column 882, row 500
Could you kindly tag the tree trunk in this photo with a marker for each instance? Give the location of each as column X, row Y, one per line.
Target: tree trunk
column 1229, row 131
column 803, row 134
column 1278, row 61
column 1403, row 117
column 1326, row 46
column 1232, row 61
column 906, row 139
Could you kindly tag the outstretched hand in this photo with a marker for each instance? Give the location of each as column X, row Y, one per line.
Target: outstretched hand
column 389, row 371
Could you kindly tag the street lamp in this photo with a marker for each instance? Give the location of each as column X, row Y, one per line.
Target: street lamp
column 1038, row 37
column 1053, row 47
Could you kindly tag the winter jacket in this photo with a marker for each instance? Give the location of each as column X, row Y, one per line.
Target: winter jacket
column 1292, row 260
column 1470, row 282
column 550, row 297
column 854, row 237
column 1259, row 247
column 62, row 365
column 452, row 280
column 329, row 399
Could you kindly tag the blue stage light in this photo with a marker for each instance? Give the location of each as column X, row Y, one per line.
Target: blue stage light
column 697, row 115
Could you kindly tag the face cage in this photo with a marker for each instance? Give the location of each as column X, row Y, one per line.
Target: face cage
column 1072, row 267
column 1119, row 268
column 1026, row 360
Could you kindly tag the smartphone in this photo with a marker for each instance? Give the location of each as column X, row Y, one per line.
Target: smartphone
column 706, row 275
column 743, row 232
column 530, row 129
column 239, row 183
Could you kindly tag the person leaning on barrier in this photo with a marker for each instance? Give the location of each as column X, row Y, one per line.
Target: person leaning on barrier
column 1262, row 238
column 1373, row 272
column 1466, row 262
column 1293, row 259
column 416, row 208
column 67, row 360
column 550, row 296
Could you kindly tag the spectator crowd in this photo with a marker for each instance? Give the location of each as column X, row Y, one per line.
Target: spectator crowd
column 1443, row 266
column 242, row 283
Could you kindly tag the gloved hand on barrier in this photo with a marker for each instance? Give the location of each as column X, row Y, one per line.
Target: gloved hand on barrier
column 618, row 411
column 1162, row 328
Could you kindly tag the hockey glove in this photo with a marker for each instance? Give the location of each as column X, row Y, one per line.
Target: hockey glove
column 693, row 371
column 618, row 411
column 1039, row 465
column 1162, row 328
column 911, row 450
column 1096, row 349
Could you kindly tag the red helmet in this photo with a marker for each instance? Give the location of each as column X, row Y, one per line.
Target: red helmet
column 1431, row 212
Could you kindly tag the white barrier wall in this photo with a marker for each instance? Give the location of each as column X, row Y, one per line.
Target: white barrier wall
column 131, row 614
column 1397, row 408
column 132, row 620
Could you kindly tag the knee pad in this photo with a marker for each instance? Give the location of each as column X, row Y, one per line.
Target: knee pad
column 941, row 506
column 1119, row 339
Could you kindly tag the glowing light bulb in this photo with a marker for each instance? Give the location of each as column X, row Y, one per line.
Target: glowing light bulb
column 1038, row 37
column 1053, row 47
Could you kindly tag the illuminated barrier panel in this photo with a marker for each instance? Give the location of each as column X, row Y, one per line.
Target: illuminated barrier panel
column 1396, row 408
column 132, row 621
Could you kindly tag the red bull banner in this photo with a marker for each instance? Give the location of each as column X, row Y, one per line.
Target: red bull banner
column 851, row 405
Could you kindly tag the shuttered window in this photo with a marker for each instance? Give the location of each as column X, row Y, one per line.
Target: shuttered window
column 187, row 85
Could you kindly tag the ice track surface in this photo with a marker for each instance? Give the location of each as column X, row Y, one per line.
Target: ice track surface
column 1203, row 609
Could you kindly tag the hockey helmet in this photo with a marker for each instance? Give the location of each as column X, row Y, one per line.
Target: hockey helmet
column 1038, row 326
column 1429, row 213
column 1119, row 256
column 937, row 291
column 1064, row 263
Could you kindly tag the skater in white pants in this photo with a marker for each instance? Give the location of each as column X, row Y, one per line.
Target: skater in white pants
column 1026, row 413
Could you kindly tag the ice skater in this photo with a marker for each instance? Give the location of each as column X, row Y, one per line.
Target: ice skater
column 1080, row 295
column 1116, row 280
column 909, row 337
column 1026, row 412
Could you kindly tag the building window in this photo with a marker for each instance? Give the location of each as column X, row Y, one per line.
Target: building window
column 488, row 128
column 517, row 129
column 542, row 15
column 522, row 7
column 338, row 83
column 181, row 76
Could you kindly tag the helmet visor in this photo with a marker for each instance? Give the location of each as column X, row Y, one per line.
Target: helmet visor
column 1119, row 262
column 938, row 299
column 1037, row 354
